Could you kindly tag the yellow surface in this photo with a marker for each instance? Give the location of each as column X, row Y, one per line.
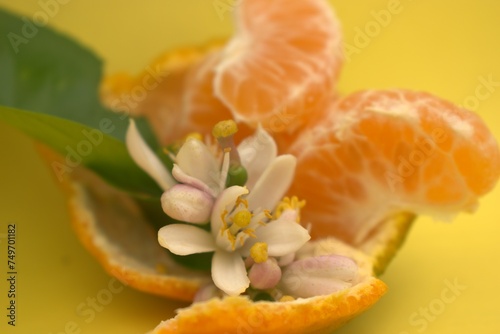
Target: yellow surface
column 444, row 47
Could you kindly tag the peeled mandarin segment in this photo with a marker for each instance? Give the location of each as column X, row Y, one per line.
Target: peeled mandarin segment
column 377, row 153
column 201, row 110
column 174, row 93
column 273, row 73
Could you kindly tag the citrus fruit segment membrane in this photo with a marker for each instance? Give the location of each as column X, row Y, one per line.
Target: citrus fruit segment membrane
column 377, row 153
column 283, row 59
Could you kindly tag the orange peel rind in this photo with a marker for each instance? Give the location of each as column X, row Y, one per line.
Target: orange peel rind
column 132, row 255
column 321, row 314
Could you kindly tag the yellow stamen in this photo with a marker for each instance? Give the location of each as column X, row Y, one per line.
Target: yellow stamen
column 288, row 203
column 223, row 218
column 224, row 133
column 243, row 201
column 258, row 252
column 232, row 239
column 287, row 298
column 242, row 240
column 250, row 232
column 224, row 129
column 242, row 218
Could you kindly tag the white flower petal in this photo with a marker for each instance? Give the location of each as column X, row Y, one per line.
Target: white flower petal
column 196, row 160
column 222, row 241
column 256, row 153
column 226, row 198
column 318, row 276
column 229, row 273
column 182, row 177
column 145, row 158
column 184, row 239
column 282, row 238
column 273, row 184
column 289, row 215
column 286, row 260
column 187, row 204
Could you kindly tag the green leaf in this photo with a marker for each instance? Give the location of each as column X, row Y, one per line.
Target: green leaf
column 44, row 71
column 58, row 81
column 82, row 145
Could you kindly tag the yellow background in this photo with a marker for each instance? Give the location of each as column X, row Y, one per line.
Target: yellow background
column 443, row 47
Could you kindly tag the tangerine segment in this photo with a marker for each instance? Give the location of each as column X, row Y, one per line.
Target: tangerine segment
column 201, row 110
column 321, row 314
column 175, row 94
column 168, row 93
column 283, row 59
column 377, row 153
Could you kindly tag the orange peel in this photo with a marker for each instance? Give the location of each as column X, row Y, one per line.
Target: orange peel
column 131, row 254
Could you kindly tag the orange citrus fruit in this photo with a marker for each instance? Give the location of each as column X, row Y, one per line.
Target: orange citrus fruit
column 180, row 101
column 173, row 93
column 269, row 73
column 201, row 110
column 281, row 63
column 111, row 226
column 321, row 314
column 377, row 153
column 366, row 163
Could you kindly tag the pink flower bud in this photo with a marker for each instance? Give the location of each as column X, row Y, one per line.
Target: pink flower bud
column 265, row 275
column 321, row 275
column 187, row 204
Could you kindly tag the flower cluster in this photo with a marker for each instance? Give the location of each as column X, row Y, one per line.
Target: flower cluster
column 254, row 232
